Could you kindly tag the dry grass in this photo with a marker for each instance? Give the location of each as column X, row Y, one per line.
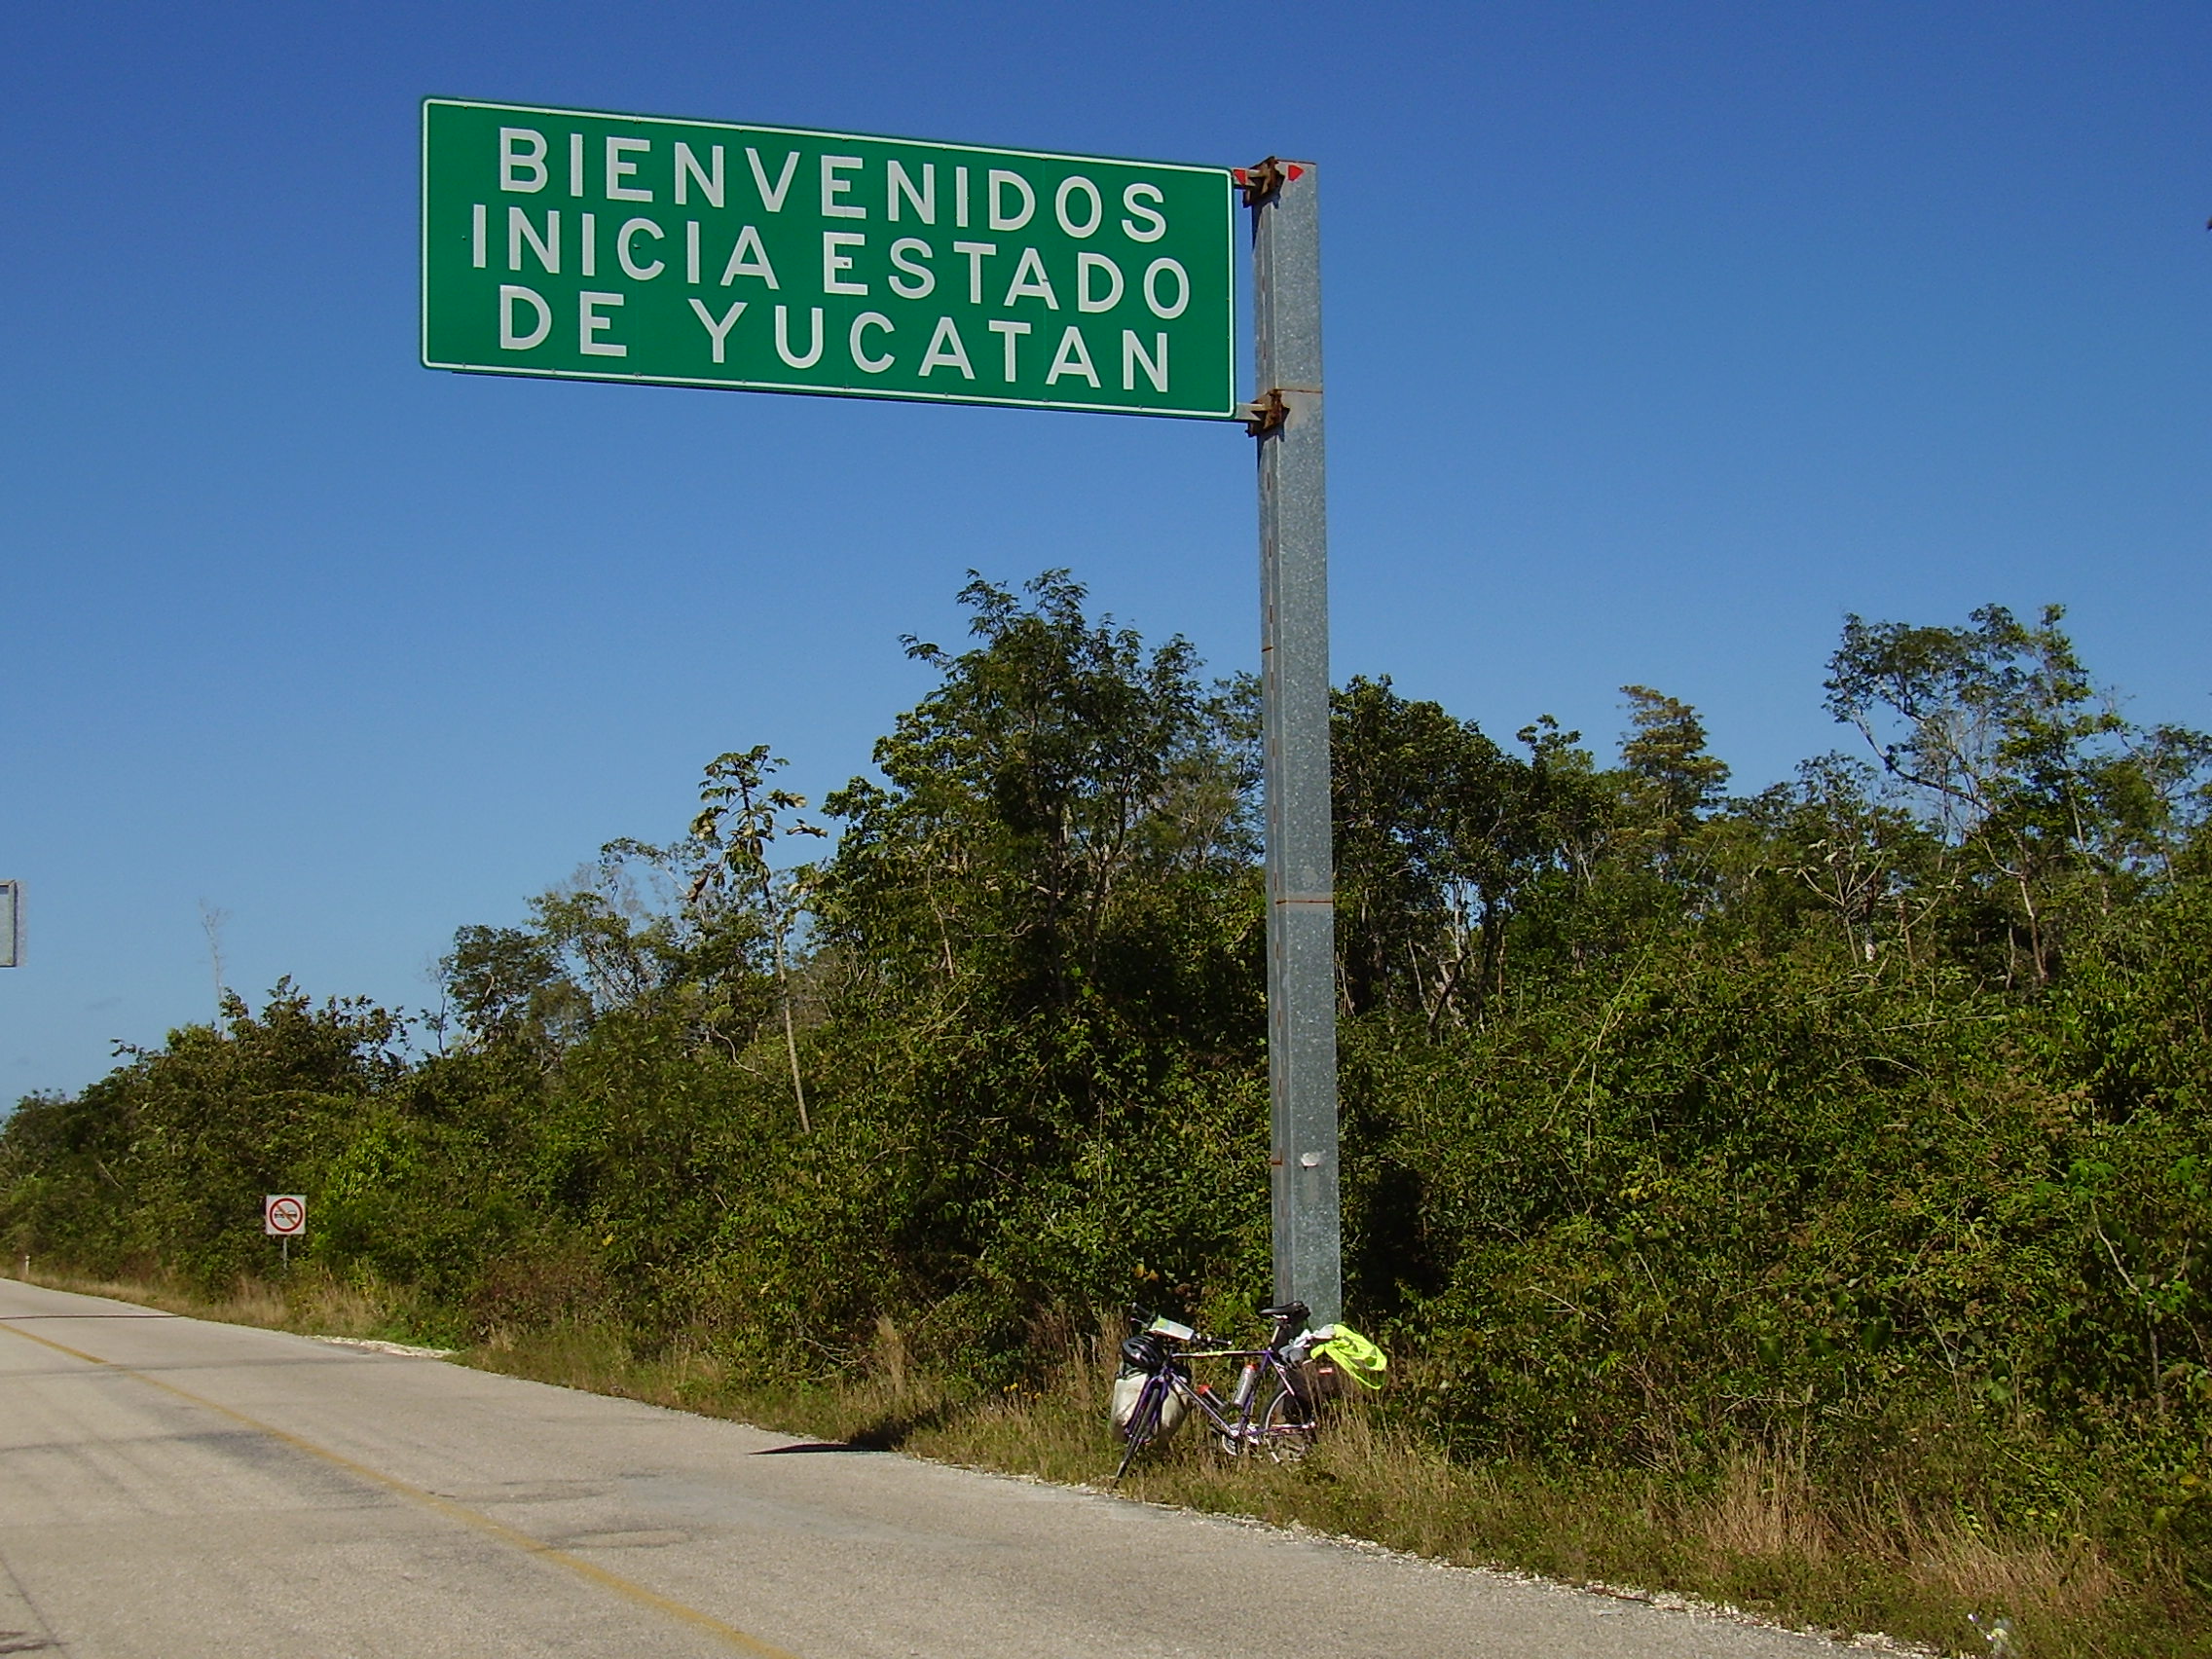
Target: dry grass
column 309, row 1301
column 1761, row 1535
column 2047, row 1585
column 1765, row 1505
column 1767, row 1508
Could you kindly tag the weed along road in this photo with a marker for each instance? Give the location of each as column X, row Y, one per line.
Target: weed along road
column 171, row 1488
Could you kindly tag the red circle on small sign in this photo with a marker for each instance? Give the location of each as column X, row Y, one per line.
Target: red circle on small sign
column 287, row 1216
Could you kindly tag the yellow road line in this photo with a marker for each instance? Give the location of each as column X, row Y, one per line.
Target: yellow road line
column 445, row 1506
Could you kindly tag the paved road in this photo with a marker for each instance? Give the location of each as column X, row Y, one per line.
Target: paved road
column 170, row 1489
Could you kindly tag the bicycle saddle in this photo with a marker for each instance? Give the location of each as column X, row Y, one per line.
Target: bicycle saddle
column 1286, row 1310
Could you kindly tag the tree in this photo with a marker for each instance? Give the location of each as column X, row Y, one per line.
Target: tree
column 2047, row 796
column 507, row 983
column 1438, row 832
column 1827, row 841
column 1046, row 814
column 738, row 819
column 1670, row 779
column 1040, row 941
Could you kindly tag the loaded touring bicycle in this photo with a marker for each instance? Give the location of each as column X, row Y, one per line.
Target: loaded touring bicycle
column 1272, row 1409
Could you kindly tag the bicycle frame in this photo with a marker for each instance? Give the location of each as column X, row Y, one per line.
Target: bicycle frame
column 1252, row 1426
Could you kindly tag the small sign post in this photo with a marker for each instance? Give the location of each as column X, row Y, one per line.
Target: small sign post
column 284, row 1218
column 10, row 924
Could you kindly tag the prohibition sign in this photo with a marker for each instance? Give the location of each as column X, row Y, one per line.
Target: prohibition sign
column 284, row 1215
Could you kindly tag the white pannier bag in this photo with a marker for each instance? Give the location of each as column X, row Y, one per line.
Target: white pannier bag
column 1143, row 1357
column 1126, row 1389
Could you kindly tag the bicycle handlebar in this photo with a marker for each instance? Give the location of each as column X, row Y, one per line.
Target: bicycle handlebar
column 1291, row 1347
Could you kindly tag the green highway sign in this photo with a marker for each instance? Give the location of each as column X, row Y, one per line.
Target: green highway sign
column 585, row 245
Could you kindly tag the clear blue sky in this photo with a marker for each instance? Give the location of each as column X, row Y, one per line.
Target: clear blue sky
column 1659, row 336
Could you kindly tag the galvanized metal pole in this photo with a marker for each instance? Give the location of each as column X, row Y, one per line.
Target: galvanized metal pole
column 1294, row 582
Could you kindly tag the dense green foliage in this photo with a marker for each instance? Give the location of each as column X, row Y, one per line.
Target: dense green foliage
column 1865, row 1119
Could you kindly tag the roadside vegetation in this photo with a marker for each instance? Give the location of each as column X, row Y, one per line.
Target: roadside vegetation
column 1794, row 1199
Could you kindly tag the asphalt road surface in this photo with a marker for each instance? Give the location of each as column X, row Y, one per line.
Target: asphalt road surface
column 172, row 1489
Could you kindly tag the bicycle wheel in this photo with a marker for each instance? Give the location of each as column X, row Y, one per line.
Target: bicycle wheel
column 1289, row 1429
column 1144, row 1421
